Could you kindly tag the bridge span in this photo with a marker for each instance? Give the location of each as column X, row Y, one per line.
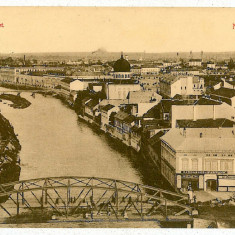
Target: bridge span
column 92, row 199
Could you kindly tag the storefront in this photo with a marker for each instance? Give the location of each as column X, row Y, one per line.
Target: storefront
column 226, row 183
column 205, row 180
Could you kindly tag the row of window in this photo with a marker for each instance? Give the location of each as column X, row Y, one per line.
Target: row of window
column 210, row 165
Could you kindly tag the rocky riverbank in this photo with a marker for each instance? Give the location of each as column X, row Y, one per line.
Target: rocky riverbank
column 9, row 153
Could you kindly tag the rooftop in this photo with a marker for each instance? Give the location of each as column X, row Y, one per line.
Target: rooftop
column 207, row 101
column 195, row 60
column 225, row 92
column 200, row 139
column 205, row 123
column 121, row 115
column 92, row 103
column 107, row 107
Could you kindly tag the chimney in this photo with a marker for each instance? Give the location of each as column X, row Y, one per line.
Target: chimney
column 24, row 60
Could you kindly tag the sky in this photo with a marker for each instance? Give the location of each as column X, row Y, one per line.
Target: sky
column 84, row 29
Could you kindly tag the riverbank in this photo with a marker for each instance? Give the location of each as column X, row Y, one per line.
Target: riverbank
column 19, row 87
column 9, row 155
column 17, row 101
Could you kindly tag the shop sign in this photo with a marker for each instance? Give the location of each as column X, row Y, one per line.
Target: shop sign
column 190, row 176
column 204, row 172
column 226, row 177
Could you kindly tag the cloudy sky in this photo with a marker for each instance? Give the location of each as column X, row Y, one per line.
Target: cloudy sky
column 75, row 29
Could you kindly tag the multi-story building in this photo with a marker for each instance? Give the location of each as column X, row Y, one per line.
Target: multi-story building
column 150, row 70
column 195, row 62
column 106, row 112
column 120, row 90
column 182, row 85
column 8, row 75
column 149, row 82
column 201, row 157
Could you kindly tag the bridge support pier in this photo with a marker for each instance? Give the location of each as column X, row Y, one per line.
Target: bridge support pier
column 18, row 204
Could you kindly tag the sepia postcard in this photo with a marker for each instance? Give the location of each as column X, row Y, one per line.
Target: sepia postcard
column 114, row 117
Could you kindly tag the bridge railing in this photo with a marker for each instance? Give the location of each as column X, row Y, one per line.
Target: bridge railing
column 100, row 194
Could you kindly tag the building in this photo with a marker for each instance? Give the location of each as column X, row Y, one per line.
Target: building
column 106, row 112
column 205, row 109
column 181, row 85
column 225, row 95
column 78, row 85
column 150, row 70
column 211, row 65
column 195, row 62
column 120, row 90
column 122, row 69
column 8, row 75
column 201, row 157
column 123, row 122
column 229, row 83
column 149, row 82
column 185, row 72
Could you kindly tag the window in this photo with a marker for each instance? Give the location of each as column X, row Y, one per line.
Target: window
column 211, row 165
column 226, row 165
column 214, row 166
column 184, row 164
column 194, row 164
column 207, row 165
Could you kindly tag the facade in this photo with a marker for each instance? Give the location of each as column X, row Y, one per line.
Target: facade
column 215, row 110
column 185, row 72
column 106, row 111
column 120, row 91
column 150, row 70
column 211, row 65
column 78, row 85
column 201, row 157
column 195, row 62
column 182, row 85
column 8, row 75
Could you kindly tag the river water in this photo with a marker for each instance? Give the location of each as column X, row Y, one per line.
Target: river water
column 55, row 143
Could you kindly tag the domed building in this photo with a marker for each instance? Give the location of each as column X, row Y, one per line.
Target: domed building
column 122, row 69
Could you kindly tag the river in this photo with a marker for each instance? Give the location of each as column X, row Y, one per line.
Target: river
column 55, row 143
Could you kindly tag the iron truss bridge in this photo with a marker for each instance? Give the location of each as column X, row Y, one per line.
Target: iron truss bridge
column 91, row 199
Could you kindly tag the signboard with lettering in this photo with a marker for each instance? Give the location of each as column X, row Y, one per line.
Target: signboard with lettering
column 204, row 172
